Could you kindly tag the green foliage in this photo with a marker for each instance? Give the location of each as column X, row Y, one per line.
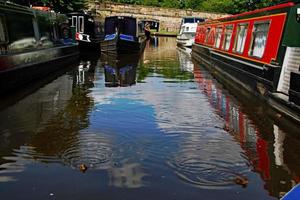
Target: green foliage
column 221, row 6
column 63, row 6
column 217, row 6
column 239, row 6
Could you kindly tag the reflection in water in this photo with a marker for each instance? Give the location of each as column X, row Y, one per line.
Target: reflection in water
column 264, row 150
column 130, row 175
column 177, row 133
column 55, row 111
column 119, row 70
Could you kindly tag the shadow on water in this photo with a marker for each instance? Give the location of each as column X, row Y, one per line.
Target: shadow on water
column 176, row 133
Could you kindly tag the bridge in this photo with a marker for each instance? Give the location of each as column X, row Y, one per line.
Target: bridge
column 168, row 18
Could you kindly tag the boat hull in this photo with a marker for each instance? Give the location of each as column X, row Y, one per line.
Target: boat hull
column 253, row 78
column 89, row 46
column 118, row 46
column 185, row 42
column 23, row 68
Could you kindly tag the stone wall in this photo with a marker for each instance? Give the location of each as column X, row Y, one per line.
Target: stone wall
column 169, row 19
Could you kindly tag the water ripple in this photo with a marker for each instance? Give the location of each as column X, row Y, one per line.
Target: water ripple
column 210, row 162
column 91, row 149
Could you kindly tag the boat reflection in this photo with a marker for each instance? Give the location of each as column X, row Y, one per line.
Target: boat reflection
column 186, row 63
column 48, row 130
column 120, row 70
column 271, row 152
column 86, row 70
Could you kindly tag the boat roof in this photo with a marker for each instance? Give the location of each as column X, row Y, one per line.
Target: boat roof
column 190, row 17
column 120, row 17
column 15, row 7
column 79, row 13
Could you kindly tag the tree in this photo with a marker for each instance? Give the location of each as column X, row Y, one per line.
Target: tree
column 63, row 6
column 221, row 6
column 238, row 6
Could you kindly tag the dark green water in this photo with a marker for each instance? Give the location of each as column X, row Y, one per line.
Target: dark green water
column 155, row 126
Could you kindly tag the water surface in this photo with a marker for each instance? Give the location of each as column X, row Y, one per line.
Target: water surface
column 150, row 126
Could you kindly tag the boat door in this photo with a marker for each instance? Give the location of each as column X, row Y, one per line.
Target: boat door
column 78, row 23
column 291, row 64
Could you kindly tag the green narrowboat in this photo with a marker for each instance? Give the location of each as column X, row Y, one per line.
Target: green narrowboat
column 33, row 43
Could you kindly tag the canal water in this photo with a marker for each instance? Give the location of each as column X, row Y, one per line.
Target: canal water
column 154, row 126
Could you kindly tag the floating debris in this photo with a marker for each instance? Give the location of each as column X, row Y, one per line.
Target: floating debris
column 83, row 167
column 240, row 180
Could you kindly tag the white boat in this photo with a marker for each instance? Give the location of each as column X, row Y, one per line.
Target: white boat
column 187, row 32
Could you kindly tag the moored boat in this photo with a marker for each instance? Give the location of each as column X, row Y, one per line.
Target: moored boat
column 259, row 50
column 88, row 31
column 33, row 43
column 187, row 31
column 123, row 35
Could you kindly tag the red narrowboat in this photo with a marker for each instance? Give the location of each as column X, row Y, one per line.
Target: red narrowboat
column 258, row 50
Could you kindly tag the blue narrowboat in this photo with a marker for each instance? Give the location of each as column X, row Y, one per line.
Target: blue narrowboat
column 123, row 35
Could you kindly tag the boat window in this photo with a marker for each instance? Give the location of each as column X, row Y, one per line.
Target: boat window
column 218, row 37
column 45, row 27
column 21, row 32
column 207, row 35
column 74, row 22
column 80, row 24
column 227, row 38
column 199, row 20
column 129, row 27
column 240, row 39
column 259, row 39
column 2, row 31
column 189, row 20
column 111, row 25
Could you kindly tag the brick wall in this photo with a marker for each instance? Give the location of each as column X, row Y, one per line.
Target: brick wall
column 169, row 18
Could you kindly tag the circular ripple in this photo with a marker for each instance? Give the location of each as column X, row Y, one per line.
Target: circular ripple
column 205, row 174
column 92, row 150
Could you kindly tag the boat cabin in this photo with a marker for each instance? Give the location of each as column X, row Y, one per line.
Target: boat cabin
column 87, row 29
column 258, row 36
column 128, row 27
column 186, row 36
column 123, row 35
column 23, row 29
column 189, row 24
column 33, row 43
column 261, row 48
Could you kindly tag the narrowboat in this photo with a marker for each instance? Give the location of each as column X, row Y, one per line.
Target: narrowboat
column 120, row 70
column 123, row 35
column 33, row 43
column 186, row 36
column 88, row 31
column 257, row 50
